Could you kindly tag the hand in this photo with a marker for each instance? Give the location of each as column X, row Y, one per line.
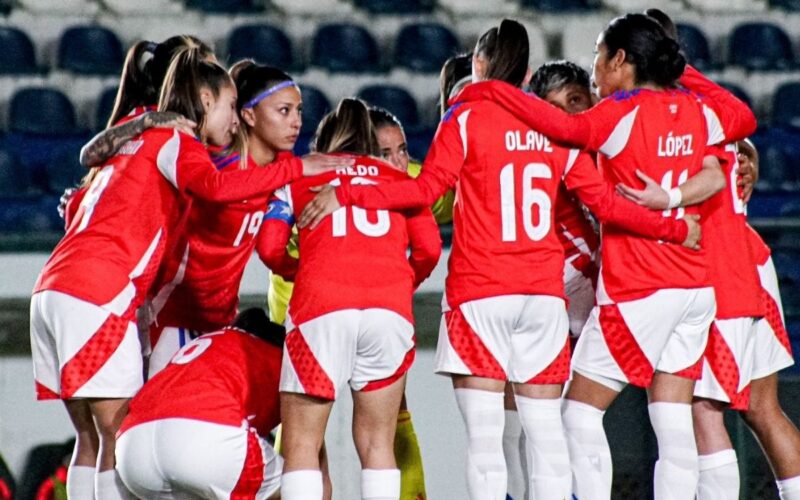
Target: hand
column 317, row 209
column 62, row 202
column 168, row 119
column 316, row 163
column 652, row 196
column 693, row 235
column 747, row 176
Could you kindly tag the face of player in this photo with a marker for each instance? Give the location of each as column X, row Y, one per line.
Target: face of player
column 606, row 73
column 221, row 118
column 572, row 98
column 393, row 145
column 275, row 121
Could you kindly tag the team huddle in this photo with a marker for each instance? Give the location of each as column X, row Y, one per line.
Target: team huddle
column 598, row 241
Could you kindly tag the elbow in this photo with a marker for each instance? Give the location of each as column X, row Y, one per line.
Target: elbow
column 83, row 157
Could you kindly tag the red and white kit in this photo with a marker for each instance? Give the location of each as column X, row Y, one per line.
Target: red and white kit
column 504, row 242
column 664, row 134
column 198, row 287
column 207, row 438
column 772, row 351
column 346, row 324
column 108, row 259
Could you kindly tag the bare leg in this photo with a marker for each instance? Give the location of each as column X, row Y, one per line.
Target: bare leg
column 304, row 420
column 718, row 465
column 107, row 415
column 374, row 422
column 87, row 443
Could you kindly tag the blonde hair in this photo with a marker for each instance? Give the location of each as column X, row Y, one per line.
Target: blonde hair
column 347, row 129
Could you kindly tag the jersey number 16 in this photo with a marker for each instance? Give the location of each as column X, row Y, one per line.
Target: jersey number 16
column 532, row 199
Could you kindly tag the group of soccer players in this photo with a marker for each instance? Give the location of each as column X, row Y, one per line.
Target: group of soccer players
column 194, row 173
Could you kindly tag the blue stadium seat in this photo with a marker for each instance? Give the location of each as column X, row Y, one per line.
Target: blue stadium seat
column 396, row 6
column 738, row 92
column 263, row 43
column 790, row 5
column 395, row 99
column 786, row 105
column 785, row 261
column 425, row 47
column 761, row 47
column 5, row 6
column 64, row 171
column 43, row 111
column 779, row 154
column 559, row 6
column 104, row 108
column 17, row 56
column 315, row 106
column 14, row 179
column 419, row 141
column 695, row 45
column 90, row 50
column 345, row 48
column 222, row 6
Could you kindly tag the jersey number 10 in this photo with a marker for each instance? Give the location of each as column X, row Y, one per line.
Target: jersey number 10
column 532, row 198
column 373, row 229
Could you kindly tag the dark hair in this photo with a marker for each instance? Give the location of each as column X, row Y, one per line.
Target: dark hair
column 656, row 57
column 383, row 118
column 256, row 322
column 187, row 75
column 144, row 71
column 347, row 129
column 507, row 50
column 455, row 69
column 251, row 79
column 555, row 75
column 664, row 20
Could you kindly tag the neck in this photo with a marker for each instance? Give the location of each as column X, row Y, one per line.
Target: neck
column 260, row 152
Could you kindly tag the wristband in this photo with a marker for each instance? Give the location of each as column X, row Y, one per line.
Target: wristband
column 675, row 197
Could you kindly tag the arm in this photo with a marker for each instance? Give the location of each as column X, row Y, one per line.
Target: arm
column 426, row 244
column 276, row 229
column 585, row 181
column 698, row 188
column 105, row 144
column 735, row 117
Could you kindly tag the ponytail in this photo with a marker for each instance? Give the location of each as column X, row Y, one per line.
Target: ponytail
column 136, row 88
column 456, row 72
column 347, row 129
column 507, row 50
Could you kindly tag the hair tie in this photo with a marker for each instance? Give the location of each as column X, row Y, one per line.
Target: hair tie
column 263, row 95
column 146, row 55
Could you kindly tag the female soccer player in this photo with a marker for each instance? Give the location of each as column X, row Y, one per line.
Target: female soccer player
column 654, row 299
column 345, row 325
column 84, row 339
column 504, row 314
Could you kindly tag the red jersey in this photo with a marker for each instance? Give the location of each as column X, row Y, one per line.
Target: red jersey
column 356, row 258
column 573, row 228
column 761, row 252
column 731, row 263
column 113, row 247
column 662, row 133
column 227, row 377
column 506, row 177
column 200, row 285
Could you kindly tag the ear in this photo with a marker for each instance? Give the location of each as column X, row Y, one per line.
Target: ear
column 478, row 68
column 619, row 59
column 528, row 76
column 207, row 98
column 249, row 117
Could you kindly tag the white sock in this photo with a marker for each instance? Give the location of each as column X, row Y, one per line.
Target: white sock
column 789, row 488
column 301, row 485
column 380, row 484
column 588, row 449
column 514, row 453
column 719, row 476
column 546, row 446
column 677, row 471
column 483, row 417
column 80, row 482
column 109, row 486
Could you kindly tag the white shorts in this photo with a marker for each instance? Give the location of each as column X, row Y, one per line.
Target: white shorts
column 81, row 350
column 580, row 291
column 516, row 338
column 627, row 342
column 773, row 351
column 180, row 458
column 369, row 348
column 728, row 362
column 167, row 341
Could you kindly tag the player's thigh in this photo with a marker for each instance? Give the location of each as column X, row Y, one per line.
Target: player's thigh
column 539, row 342
column 689, row 337
column 137, row 462
column 384, row 350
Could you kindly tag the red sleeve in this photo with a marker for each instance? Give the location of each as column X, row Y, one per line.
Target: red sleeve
column 599, row 196
column 272, row 239
column 439, row 173
column 186, row 164
column 426, row 243
column 72, row 205
column 735, row 117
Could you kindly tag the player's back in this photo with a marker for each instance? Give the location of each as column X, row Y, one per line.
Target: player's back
column 504, row 241
column 118, row 234
column 355, row 258
column 224, row 377
column 664, row 134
